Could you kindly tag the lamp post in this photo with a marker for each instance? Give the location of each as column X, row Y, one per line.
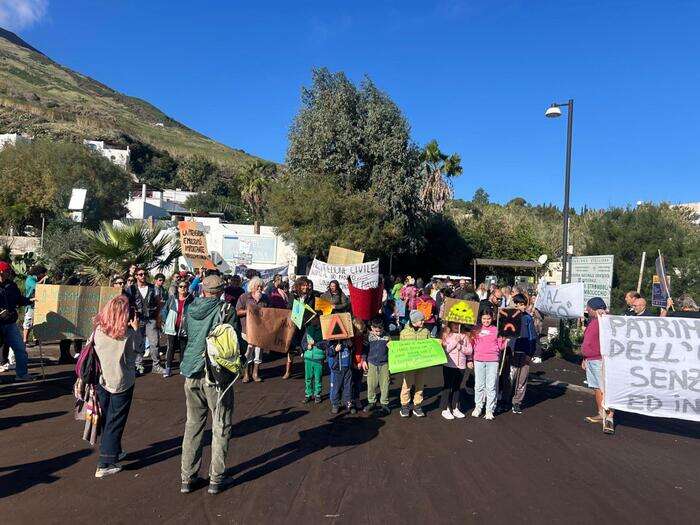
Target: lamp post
column 554, row 111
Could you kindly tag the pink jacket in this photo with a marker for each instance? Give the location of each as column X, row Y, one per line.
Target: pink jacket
column 487, row 344
column 458, row 349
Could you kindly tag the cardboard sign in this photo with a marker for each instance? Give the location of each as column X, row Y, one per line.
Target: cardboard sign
column 364, row 276
column 460, row 311
column 269, row 328
column 336, row 326
column 343, row 256
column 564, row 301
column 298, row 313
column 193, row 243
column 659, row 296
column 323, row 305
column 509, row 321
column 650, row 365
column 66, row 312
column 413, row 355
column 426, row 308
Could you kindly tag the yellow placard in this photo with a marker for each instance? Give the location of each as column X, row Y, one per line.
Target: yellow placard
column 343, row 256
column 323, row 305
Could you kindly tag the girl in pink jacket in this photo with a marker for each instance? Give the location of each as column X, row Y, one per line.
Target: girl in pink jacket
column 457, row 345
column 487, row 352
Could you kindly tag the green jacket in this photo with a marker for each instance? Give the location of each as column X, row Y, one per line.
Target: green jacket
column 409, row 333
column 202, row 316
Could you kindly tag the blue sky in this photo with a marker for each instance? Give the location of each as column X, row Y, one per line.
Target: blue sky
column 475, row 75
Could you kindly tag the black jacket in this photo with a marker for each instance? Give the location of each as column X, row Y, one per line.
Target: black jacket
column 146, row 307
column 10, row 299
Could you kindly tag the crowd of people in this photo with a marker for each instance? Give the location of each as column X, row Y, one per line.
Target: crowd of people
column 129, row 330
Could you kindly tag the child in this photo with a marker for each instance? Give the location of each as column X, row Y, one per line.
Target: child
column 458, row 348
column 415, row 378
column 377, row 365
column 313, row 364
column 358, row 366
column 487, row 349
column 523, row 350
column 339, row 354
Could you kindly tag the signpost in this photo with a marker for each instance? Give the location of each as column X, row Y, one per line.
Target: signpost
column 596, row 273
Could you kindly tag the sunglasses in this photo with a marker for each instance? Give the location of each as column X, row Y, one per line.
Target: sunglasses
column 182, row 286
column 118, row 282
column 140, row 274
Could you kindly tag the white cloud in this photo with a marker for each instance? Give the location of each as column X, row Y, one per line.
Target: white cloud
column 18, row 14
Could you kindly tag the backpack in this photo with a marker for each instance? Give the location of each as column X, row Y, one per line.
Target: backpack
column 223, row 354
column 87, row 368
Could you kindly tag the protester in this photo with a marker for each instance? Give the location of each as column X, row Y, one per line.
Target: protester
column 201, row 394
column 523, row 349
column 377, row 367
column 37, row 275
column 146, row 305
column 234, row 290
column 174, row 328
column 487, row 350
column 279, row 294
column 593, row 363
column 481, row 292
column 336, row 297
column 118, row 282
column 630, row 297
column 538, row 320
column 639, row 307
column 465, row 292
column 313, row 357
column 688, row 308
column 10, row 300
column 507, row 297
column 339, row 356
column 492, row 303
column 414, row 379
column 303, row 291
column 117, row 342
column 253, row 298
column 457, row 346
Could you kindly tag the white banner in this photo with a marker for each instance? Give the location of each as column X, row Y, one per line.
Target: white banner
column 365, row 275
column 651, row 365
column 596, row 273
column 562, row 300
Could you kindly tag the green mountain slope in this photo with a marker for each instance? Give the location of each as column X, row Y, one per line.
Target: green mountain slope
column 42, row 98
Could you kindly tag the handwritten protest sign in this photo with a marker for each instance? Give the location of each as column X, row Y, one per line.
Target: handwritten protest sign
column 193, row 243
column 562, row 301
column 343, row 256
column 364, row 276
column 659, row 295
column 509, row 322
column 461, row 311
column 651, row 365
column 323, row 305
column 66, row 312
column 298, row 313
column 336, row 326
column 596, row 273
column 269, row 328
column 405, row 356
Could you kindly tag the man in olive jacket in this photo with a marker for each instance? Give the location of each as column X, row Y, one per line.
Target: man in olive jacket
column 201, row 395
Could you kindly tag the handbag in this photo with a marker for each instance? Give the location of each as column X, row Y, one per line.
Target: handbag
column 170, row 320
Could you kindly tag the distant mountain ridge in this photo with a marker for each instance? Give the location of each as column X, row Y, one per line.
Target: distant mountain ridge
column 41, row 98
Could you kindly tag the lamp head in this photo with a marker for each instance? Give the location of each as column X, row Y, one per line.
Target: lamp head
column 553, row 111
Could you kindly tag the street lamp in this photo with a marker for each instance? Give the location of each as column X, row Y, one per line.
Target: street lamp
column 554, row 111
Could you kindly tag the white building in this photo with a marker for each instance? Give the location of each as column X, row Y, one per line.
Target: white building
column 156, row 204
column 120, row 157
column 13, row 139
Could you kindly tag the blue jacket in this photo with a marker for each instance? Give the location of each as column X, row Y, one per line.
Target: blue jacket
column 337, row 360
column 527, row 342
column 378, row 350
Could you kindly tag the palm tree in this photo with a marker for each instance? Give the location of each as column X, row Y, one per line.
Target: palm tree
column 112, row 249
column 254, row 190
column 438, row 170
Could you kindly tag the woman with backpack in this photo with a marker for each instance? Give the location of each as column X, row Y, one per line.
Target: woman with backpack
column 116, row 341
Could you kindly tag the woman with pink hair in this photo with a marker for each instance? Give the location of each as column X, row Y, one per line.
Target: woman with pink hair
column 116, row 342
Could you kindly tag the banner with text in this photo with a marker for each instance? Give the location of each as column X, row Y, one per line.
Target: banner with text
column 564, row 301
column 651, row 365
column 364, row 276
column 596, row 273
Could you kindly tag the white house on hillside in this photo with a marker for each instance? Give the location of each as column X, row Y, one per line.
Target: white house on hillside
column 13, row 139
column 120, row 157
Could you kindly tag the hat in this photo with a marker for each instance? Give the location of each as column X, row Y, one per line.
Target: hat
column 416, row 316
column 213, row 284
column 5, row 266
column 596, row 303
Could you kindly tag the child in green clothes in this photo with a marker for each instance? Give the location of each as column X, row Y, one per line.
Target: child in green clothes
column 313, row 364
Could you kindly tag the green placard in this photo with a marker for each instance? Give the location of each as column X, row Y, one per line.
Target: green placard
column 412, row 355
column 298, row 313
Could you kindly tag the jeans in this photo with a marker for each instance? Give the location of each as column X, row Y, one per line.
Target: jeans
column 341, row 382
column 174, row 341
column 313, row 372
column 115, row 411
column 150, row 333
column 10, row 335
column 201, row 398
column 452, row 380
column 485, row 384
column 378, row 376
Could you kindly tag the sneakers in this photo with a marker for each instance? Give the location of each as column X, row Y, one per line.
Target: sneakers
column 476, row 412
column 537, row 360
column 386, row 410
column 353, row 410
column 446, row 414
column 418, row 412
column 103, row 472
column 458, row 413
column 167, row 372
column 317, row 400
column 368, row 408
column 186, row 487
column 307, row 400
column 215, row 488
column 489, row 416
column 595, row 419
column 517, row 409
column 25, row 378
column 157, row 369
column 608, row 425
column 334, row 409
column 405, row 411
column 4, row 368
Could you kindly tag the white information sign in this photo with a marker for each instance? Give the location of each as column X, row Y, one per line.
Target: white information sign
column 651, row 365
column 596, row 273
